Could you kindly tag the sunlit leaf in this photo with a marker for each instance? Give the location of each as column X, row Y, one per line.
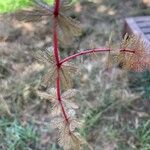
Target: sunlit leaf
column 67, row 70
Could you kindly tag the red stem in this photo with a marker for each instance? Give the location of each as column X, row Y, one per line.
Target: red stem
column 56, row 8
column 96, row 50
column 84, row 53
column 55, row 41
column 59, row 94
column 127, row 50
column 57, row 56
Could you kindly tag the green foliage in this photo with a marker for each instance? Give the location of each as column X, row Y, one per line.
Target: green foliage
column 142, row 134
column 15, row 137
column 12, row 5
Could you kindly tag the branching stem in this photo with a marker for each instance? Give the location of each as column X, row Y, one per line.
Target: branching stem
column 58, row 60
column 96, row 50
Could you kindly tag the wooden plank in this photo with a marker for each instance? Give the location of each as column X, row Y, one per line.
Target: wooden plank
column 148, row 36
column 142, row 18
column 146, row 30
column 144, row 24
column 132, row 27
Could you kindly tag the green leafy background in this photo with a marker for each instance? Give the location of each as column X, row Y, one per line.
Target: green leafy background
column 12, row 5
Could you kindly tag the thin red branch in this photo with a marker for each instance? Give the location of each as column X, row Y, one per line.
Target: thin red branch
column 57, row 56
column 55, row 41
column 59, row 94
column 127, row 50
column 96, row 50
column 56, row 8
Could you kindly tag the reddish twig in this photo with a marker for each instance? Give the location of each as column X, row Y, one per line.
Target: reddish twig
column 56, row 8
column 127, row 50
column 84, row 53
column 57, row 56
column 59, row 95
column 96, row 50
column 55, row 41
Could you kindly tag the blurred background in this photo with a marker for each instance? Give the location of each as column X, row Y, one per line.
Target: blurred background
column 114, row 104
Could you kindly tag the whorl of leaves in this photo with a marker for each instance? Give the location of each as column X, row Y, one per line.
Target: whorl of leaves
column 67, row 101
column 69, row 138
column 69, row 28
column 132, row 55
column 67, row 70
